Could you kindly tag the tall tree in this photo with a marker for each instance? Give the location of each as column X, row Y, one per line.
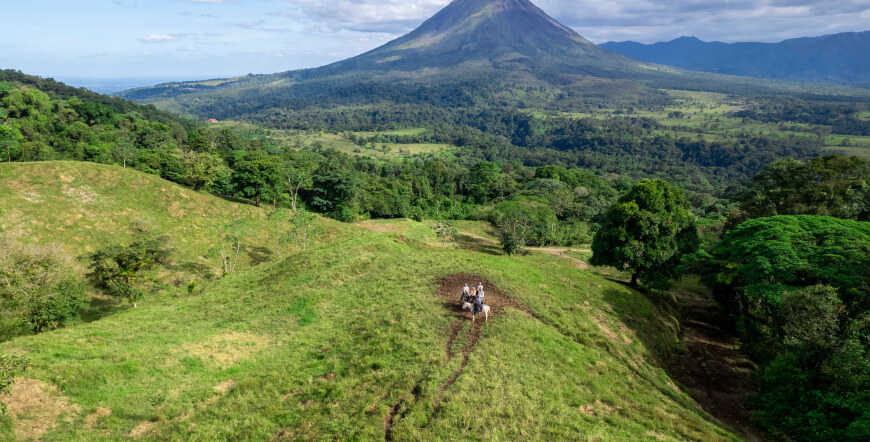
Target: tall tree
column 258, row 176
column 298, row 170
column 203, row 168
column 647, row 232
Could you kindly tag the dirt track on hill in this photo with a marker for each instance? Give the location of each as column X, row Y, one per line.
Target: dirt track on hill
column 449, row 289
column 718, row 375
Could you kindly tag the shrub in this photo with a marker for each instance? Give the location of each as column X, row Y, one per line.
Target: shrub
column 118, row 270
column 38, row 288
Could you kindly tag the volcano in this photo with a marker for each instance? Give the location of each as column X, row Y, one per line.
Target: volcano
column 510, row 35
column 503, row 44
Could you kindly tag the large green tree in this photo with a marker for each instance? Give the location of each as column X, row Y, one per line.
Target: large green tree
column 259, row 176
column 647, row 232
column 832, row 185
column 203, row 168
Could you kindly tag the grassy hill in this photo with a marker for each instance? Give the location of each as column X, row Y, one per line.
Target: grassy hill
column 85, row 206
column 358, row 337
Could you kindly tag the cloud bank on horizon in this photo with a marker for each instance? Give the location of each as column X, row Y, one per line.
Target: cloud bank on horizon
column 195, row 38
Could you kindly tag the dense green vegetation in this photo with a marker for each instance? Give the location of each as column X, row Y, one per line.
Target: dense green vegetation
column 800, row 286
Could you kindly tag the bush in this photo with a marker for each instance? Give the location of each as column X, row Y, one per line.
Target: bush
column 117, row 270
column 38, row 288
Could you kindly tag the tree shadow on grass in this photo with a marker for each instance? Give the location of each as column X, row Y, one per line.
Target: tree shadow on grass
column 200, row 270
column 471, row 243
column 258, row 255
column 99, row 308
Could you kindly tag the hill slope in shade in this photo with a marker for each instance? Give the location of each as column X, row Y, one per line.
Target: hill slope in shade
column 357, row 338
column 839, row 58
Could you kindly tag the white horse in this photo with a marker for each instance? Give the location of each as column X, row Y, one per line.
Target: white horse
column 470, row 307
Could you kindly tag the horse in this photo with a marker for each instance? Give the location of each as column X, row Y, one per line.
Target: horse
column 470, row 307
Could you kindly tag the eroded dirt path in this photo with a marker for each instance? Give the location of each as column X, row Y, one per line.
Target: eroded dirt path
column 448, row 290
column 718, row 375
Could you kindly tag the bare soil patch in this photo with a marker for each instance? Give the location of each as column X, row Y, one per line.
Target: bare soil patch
column 141, row 429
column 225, row 386
column 560, row 253
column 450, row 287
column 94, row 418
column 35, row 408
column 225, row 350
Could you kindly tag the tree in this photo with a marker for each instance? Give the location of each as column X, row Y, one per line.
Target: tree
column 445, row 230
column 230, row 237
column 800, row 287
column 482, row 180
column 203, row 168
column 38, row 289
column 303, row 228
column 298, row 168
column 118, row 270
column 832, row 185
column 647, row 232
column 10, row 138
column 125, row 150
column 259, row 176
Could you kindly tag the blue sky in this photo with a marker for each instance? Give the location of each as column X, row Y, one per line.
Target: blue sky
column 201, row 38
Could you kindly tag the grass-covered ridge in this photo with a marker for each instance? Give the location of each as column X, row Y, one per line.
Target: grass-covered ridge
column 327, row 343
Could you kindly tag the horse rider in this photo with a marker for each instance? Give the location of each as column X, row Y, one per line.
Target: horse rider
column 466, row 294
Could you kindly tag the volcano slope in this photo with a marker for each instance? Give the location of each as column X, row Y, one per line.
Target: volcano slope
column 351, row 340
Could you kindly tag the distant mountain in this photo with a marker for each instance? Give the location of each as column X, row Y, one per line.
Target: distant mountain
column 840, row 58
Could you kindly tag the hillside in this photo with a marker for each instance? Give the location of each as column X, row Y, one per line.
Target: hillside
column 85, row 206
column 838, row 58
column 356, row 338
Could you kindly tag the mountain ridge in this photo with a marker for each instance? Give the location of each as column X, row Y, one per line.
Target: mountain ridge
column 834, row 58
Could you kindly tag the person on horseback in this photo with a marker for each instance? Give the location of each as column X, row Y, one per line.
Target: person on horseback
column 466, row 294
column 478, row 303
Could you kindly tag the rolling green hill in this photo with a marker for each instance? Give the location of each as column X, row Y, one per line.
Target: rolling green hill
column 357, row 337
column 85, row 206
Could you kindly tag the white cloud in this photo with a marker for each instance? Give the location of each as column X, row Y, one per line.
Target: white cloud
column 160, row 38
column 602, row 20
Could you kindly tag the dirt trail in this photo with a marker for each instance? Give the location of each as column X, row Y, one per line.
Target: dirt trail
column 554, row 251
column 719, row 377
column 560, row 252
column 448, row 290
